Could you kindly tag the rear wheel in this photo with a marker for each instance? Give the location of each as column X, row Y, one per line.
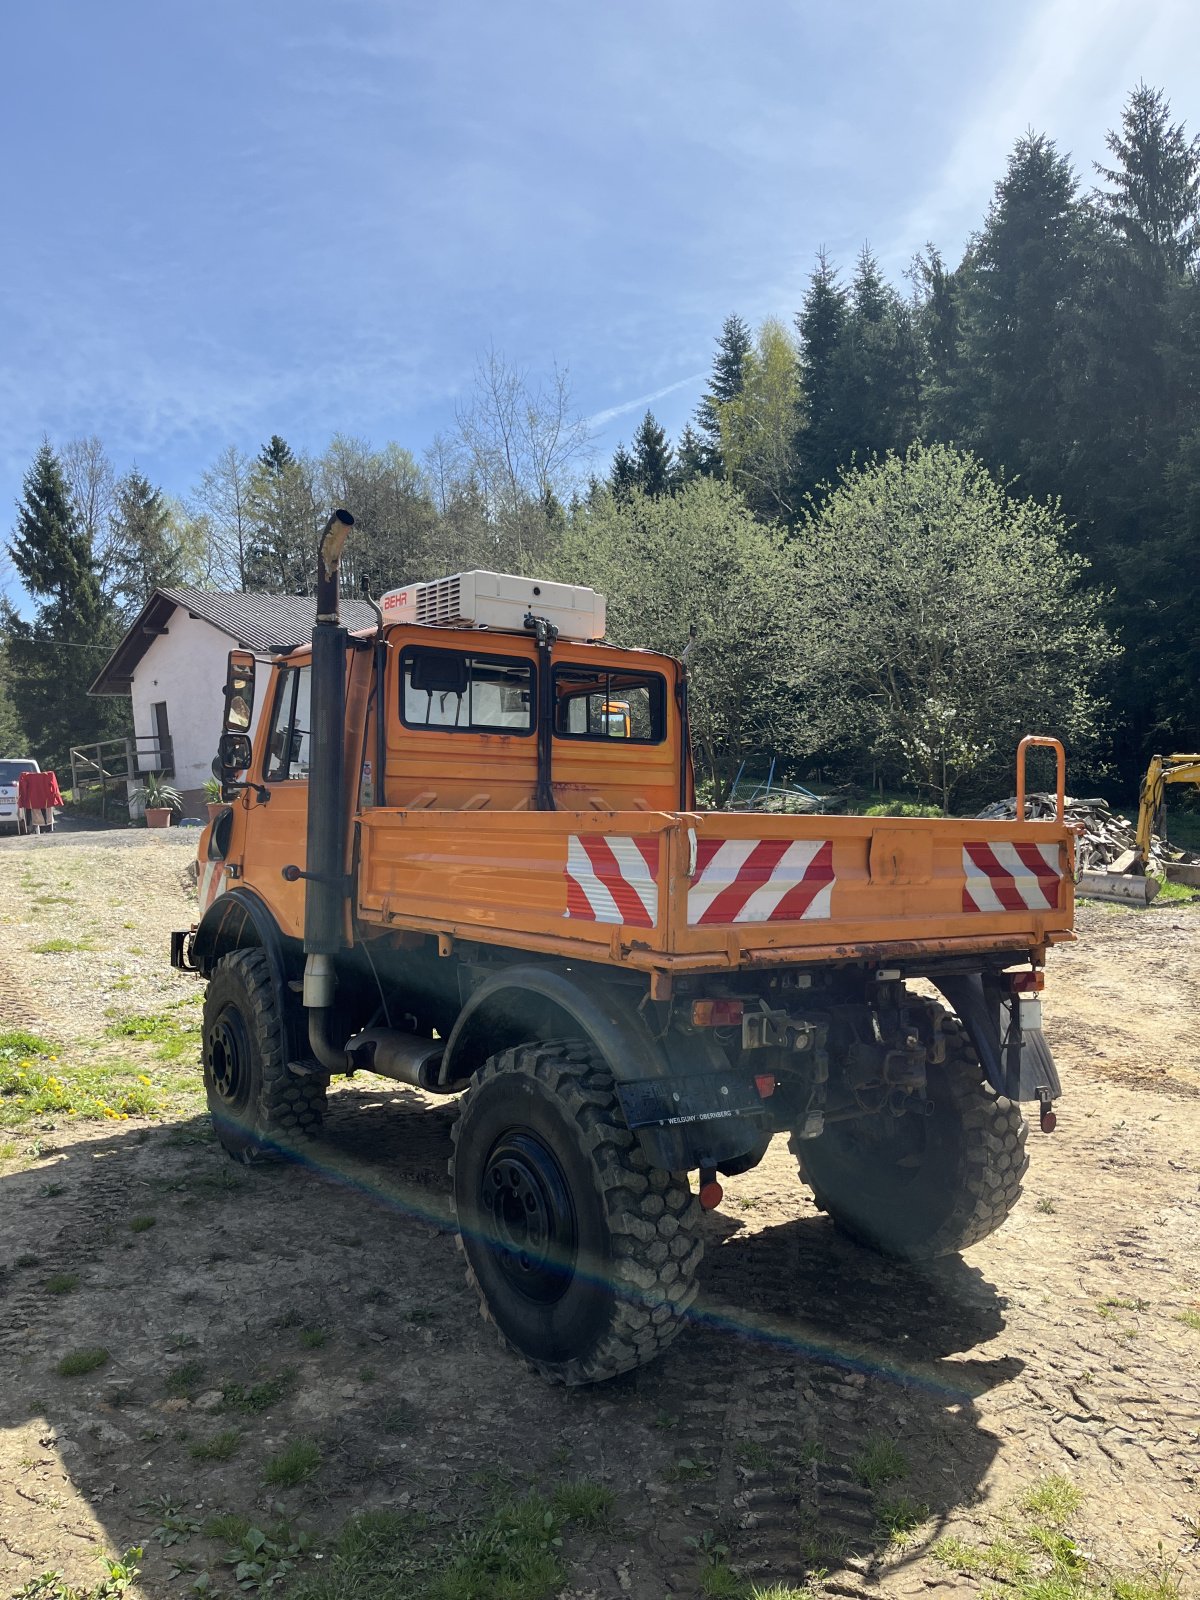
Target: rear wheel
column 920, row 1186
column 582, row 1253
column 261, row 1109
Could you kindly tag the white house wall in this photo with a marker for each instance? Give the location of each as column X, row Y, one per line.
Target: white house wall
column 185, row 667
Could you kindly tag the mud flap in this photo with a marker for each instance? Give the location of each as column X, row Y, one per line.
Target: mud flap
column 1016, row 1060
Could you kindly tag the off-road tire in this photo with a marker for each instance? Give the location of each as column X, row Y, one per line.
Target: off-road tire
column 261, row 1109
column 959, row 1185
column 616, row 1292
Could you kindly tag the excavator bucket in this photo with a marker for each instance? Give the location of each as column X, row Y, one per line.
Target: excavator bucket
column 1130, row 888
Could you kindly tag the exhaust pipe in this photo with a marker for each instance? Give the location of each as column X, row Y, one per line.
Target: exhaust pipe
column 325, row 897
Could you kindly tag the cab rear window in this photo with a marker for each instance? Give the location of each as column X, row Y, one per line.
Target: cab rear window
column 598, row 704
column 459, row 693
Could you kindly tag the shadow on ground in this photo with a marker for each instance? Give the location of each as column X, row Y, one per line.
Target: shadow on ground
column 243, row 1310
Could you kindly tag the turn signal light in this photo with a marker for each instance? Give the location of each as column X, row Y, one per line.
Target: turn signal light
column 1028, row 982
column 716, row 1013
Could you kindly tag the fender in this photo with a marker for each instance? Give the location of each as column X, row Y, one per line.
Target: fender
column 688, row 1070
column 240, row 920
column 1016, row 1060
column 495, row 1014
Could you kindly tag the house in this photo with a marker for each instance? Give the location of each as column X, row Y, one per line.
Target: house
column 172, row 664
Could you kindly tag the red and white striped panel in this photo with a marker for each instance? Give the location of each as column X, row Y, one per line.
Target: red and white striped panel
column 761, row 880
column 1005, row 876
column 612, row 878
column 212, row 883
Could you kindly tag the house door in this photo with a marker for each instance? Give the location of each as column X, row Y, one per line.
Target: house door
column 164, row 756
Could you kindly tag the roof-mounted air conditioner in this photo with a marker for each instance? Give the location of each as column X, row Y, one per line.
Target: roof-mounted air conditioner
column 497, row 600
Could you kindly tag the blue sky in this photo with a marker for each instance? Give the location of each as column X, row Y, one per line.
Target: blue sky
column 230, row 218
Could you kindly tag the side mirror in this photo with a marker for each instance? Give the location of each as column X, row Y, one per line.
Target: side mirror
column 234, row 754
column 239, row 694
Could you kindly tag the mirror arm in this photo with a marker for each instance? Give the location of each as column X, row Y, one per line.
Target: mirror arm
column 263, row 793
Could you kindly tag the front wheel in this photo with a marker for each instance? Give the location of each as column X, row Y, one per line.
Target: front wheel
column 920, row 1186
column 582, row 1253
column 261, row 1108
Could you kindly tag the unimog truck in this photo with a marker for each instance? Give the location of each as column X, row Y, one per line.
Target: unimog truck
column 463, row 851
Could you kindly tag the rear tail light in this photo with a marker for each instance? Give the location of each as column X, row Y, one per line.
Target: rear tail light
column 716, row 1013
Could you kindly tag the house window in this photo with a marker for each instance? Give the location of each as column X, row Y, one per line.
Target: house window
column 458, row 693
column 288, row 741
column 597, row 703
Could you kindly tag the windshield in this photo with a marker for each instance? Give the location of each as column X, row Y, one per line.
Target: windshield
column 9, row 770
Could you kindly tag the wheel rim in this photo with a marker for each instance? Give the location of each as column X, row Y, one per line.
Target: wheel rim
column 229, row 1058
column 528, row 1219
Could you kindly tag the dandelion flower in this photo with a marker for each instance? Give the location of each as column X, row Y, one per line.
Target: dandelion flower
column 142, row 1078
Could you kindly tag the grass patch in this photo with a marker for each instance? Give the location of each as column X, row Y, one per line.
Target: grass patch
column 298, row 1463
column 76, row 1362
column 687, row 1470
column 175, row 1035
column 1052, row 1500
column 900, row 1518
column 60, row 947
column 260, row 1396
column 377, row 1556
column 588, row 1504
column 228, row 1527
column 313, row 1338
column 879, row 1463
column 61, row 1283
column 141, row 1224
column 1190, row 1318
column 221, row 1447
column 186, row 1381
column 34, row 1084
column 1175, row 894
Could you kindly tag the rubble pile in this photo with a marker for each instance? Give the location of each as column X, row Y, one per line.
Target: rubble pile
column 1104, row 835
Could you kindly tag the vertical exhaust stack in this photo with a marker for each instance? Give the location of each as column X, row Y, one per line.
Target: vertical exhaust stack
column 324, row 902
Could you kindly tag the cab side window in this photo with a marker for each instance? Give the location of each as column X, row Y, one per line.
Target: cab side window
column 288, row 740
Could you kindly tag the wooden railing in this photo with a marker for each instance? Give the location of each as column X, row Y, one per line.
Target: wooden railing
column 101, row 773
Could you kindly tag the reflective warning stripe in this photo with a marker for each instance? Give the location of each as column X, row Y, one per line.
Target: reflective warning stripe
column 1001, row 875
column 761, row 880
column 612, row 878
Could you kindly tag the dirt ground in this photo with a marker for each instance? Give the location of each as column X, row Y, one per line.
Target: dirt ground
column 1057, row 1346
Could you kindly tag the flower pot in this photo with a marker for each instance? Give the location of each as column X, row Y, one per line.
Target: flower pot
column 158, row 816
column 215, row 808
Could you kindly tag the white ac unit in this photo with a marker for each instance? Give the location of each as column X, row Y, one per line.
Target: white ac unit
column 497, row 600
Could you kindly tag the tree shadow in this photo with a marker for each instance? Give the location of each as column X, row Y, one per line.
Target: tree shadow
column 325, row 1298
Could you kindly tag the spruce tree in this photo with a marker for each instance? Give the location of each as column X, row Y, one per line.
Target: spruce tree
column 1153, row 198
column 1025, row 276
column 690, row 457
column 54, row 658
column 820, row 324
column 283, row 520
column 621, row 477
column 728, row 377
column 147, row 553
column 652, row 458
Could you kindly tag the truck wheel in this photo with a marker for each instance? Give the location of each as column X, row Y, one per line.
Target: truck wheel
column 924, row 1186
column 582, row 1253
column 260, row 1109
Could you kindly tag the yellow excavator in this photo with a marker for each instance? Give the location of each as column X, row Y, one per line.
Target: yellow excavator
column 1152, row 799
column 1128, row 877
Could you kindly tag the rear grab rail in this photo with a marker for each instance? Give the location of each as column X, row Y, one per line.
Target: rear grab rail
column 1060, row 756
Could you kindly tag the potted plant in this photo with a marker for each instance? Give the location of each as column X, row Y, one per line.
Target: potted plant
column 158, row 799
column 213, row 798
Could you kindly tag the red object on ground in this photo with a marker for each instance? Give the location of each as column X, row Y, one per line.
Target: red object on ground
column 38, row 791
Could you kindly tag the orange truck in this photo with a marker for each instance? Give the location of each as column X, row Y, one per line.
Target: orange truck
column 446, row 861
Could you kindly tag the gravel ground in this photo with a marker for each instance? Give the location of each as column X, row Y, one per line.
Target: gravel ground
column 119, row 894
